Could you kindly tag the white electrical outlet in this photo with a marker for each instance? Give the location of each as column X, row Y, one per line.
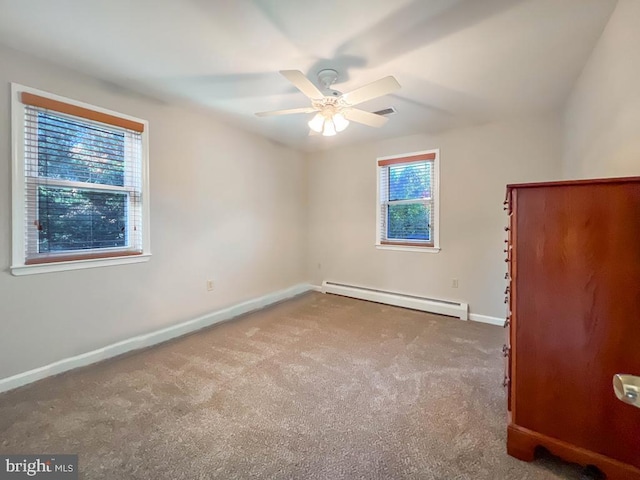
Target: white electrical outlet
column 454, row 283
column 209, row 285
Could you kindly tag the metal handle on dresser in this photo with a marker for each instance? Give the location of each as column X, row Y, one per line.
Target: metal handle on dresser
column 627, row 388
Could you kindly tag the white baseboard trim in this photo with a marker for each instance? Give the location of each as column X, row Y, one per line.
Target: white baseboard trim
column 486, row 319
column 149, row 339
column 316, row 288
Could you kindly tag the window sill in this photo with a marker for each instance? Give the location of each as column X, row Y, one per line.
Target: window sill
column 402, row 248
column 20, row 270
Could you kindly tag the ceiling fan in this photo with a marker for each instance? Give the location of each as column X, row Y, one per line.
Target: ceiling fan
column 336, row 109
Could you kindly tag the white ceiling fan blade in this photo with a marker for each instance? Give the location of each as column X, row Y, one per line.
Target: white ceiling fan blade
column 372, row 90
column 366, row 118
column 286, row 112
column 302, row 83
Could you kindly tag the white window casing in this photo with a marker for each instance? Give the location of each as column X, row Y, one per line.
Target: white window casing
column 424, row 163
column 42, row 124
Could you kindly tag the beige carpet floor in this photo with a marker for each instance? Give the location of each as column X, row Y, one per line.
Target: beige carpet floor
column 318, row 387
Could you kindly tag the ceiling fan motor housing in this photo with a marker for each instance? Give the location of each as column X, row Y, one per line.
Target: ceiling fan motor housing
column 328, row 77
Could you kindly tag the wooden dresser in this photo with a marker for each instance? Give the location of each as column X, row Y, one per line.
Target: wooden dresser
column 573, row 318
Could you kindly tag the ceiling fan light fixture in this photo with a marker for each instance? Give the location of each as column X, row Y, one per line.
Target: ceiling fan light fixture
column 316, row 123
column 329, row 128
column 340, row 122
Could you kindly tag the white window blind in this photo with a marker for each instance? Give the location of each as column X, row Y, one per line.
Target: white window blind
column 83, row 183
column 407, row 191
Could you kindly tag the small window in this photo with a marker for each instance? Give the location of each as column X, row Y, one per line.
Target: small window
column 80, row 191
column 408, row 201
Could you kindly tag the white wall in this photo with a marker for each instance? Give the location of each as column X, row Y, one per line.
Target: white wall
column 475, row 165
column 257, row 217
column 602, row 116
column 225, row 205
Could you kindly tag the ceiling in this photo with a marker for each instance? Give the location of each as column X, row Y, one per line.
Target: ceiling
column 460, row 62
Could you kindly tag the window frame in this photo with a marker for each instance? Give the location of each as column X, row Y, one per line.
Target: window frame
column 410, row 246
column 92, row 257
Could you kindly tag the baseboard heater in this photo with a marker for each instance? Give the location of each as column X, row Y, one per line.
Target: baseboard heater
column 432, row 305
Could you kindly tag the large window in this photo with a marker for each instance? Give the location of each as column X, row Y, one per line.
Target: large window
column 408, row 201
column 80, row 189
